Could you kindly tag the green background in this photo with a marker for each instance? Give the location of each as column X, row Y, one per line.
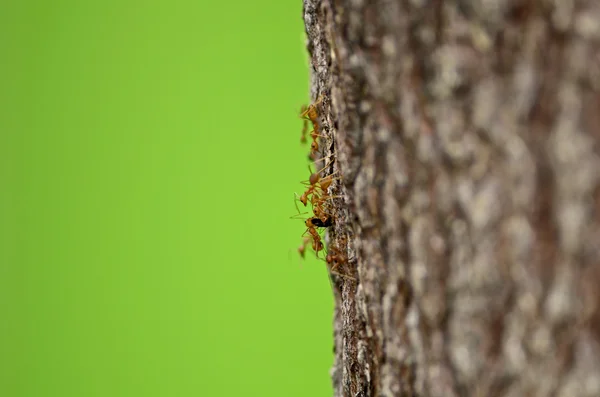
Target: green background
column 149, row 152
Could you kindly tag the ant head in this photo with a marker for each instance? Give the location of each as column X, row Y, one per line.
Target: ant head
column 304, row 199
column 314, row 146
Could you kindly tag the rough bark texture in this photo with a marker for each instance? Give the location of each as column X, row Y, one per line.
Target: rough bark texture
column 467, row 134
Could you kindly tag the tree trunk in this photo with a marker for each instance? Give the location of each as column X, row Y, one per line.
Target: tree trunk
column 466, row 133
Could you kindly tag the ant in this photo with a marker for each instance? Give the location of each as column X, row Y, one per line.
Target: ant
column 321, row 205
column 311, row 228
column 317, row 192
column 316, row 182
column 315, row 238
column 320, row 213
column 335, row 257
column 310, row 114
column 320, row 209
column 319, row 199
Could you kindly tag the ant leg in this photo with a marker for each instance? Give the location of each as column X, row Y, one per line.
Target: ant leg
column 315, row 178
column 304, row 112
column 296, row 199
column 313, row 105
column 333, row 154
column 314, row 135
column 342, row 275
column 304, row 131
column 324, row 183
column 297, row 216
column 328, row 200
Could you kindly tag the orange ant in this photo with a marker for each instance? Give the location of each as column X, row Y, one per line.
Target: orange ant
column 310, row 114
column 319, row 211
column 322, row 206
column 318, row 195
column 335, row 257
column 311, row 228
column 319, row 205
column 316, row 184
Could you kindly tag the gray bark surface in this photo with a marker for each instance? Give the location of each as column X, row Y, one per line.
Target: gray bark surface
column 467, row 135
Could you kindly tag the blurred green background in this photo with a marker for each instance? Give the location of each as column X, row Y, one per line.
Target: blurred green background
column 149, row 151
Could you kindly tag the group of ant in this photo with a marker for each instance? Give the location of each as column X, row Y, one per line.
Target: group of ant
column 318, row 195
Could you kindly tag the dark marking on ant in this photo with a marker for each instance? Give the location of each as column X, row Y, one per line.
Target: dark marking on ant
column 319, row 223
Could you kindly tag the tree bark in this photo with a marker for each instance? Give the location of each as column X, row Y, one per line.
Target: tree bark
column 467, row 136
